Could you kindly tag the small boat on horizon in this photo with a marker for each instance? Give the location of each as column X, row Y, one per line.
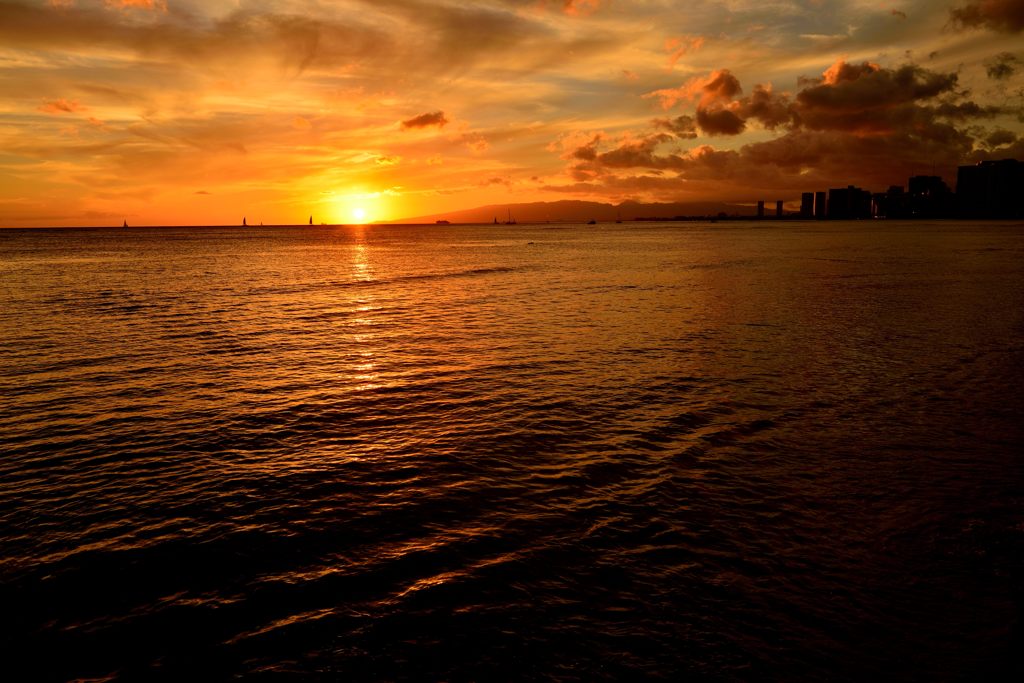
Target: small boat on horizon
column 244, row 224
column 125, row 223
column 510, row 221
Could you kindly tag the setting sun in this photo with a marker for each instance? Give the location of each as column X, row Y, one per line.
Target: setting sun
column 359, row 214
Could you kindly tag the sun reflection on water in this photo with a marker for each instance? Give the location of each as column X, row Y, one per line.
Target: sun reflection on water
column 363, row 369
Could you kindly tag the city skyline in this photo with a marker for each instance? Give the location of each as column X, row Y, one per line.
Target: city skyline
column 189, row 113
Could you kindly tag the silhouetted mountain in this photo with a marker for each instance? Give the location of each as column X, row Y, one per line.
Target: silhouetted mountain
column 580, row 212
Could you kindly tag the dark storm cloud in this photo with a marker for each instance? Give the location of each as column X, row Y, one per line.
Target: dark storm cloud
column 1006, row 16
column 1000, row 138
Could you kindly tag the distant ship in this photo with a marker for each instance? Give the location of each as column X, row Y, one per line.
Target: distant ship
column 442, row 222
column 311, row 219
column 591, row 222
column 510, row 221
column 125, row 223
column 244, row 224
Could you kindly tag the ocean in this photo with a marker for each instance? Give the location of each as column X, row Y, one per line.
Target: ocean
column 662, row 451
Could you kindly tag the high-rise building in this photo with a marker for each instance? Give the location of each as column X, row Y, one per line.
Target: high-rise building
column 778, row 209
column 846, row 203
column 807, row 205
column 760, row 209
column 894, row 203
column 991, row 189
column 820, row 206
column 929, row 197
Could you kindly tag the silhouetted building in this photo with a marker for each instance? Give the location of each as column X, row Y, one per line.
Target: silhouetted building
column 778, row 209
column 847, row 203
column 929, row 197
column 820, row 206
column 878, row 205
column 891, row 204
column 760, row 209
column 991, row 189
column 807, row 205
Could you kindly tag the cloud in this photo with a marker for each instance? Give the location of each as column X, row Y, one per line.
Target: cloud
column 374, row 38
column 861, row 98
column 639, row 152
column 434, row 118
column 716, row 111
column 61, row 106
column 580, row 7
column 1005, row 16
column 868, row 99
column 855, row 123
column 720, row 86
column 683, row 127
column 715, row 88
column 1002, row 66
column 475, row 141
column 140, row 4
column 1000, row 138
column 680, row 47
column 720, row 121
column 771, row 110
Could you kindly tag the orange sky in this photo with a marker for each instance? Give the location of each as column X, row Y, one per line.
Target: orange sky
column 202, row 111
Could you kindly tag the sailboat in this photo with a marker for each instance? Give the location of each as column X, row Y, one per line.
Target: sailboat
column 510, row 221
column 125, row 223
column 244, row 224
column 311, row 219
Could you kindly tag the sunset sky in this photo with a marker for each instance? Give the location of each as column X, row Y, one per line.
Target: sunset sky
column 202, row 111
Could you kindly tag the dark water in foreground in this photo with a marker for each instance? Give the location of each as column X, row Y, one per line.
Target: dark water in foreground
column 674, row 451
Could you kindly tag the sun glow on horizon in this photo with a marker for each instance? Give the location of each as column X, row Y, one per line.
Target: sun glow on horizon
column 359, row 208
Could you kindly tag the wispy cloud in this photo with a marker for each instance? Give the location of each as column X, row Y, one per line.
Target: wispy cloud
column 61, row 106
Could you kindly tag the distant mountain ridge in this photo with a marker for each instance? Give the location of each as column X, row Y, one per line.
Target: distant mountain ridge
column 575, row 211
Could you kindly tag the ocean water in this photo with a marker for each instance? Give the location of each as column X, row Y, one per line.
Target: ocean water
column 674, row 451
